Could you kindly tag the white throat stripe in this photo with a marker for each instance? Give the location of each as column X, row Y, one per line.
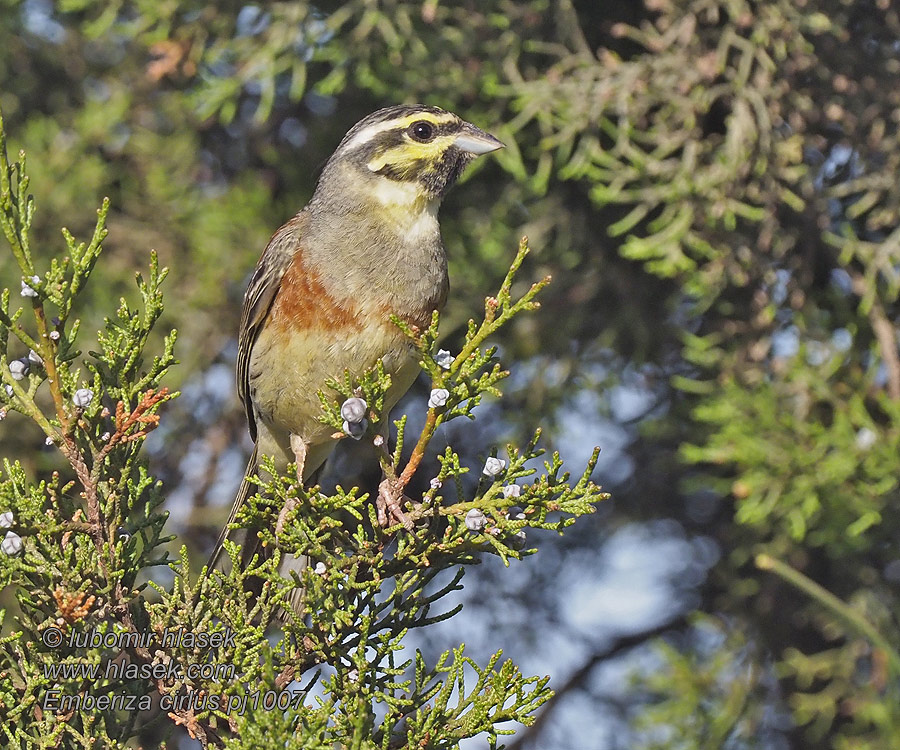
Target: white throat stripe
column 367, row 133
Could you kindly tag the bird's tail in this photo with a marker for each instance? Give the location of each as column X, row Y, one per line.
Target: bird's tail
column 246, row 490
column 252, row 545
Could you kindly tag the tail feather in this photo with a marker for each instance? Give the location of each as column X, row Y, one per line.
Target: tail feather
column 246, row 489
column 297, row 597
column 251, row 544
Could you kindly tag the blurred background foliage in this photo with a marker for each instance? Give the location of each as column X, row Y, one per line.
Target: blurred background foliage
column 712, row 184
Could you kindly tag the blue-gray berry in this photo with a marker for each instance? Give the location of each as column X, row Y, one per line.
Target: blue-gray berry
column 493, row 466
column 354, row 410
column 475, row 520
column 12, row 544
column 83, row 397
column 28, row 291
column 438, row 398
column 18, row 368
column 355, row 429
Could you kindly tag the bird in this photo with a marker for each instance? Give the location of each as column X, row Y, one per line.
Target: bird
column 319, row 303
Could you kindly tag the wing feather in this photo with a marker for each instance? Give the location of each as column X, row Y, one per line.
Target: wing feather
column 261, row 291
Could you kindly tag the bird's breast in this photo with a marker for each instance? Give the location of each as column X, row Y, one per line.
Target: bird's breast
column 288, row 367
column 332, row 314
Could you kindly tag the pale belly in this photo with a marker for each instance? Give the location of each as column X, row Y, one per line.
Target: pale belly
column 285, row 379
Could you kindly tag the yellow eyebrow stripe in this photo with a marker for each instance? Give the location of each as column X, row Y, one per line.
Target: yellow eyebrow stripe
column 434, row 119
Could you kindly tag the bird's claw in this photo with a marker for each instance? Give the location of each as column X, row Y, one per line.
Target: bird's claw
column 388, row 505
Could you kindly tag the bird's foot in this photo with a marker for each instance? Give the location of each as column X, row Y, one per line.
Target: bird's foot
column 390, row 494
column 298, row 448
column 286, row 509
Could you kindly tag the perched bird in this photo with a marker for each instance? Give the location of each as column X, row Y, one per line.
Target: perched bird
column 367, row 246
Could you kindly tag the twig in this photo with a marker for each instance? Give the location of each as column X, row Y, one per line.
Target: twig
column 887, row 341
column 497, row 311
column 884, row 332
column 850, row 617
column 139, row 416
column 431, row 422
column 616, row 648
column 47, row 351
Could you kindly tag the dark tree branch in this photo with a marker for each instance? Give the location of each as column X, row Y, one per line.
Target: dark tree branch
column 618, row 647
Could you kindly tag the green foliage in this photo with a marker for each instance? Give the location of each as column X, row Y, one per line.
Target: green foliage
column 84, row 547
column 732, row 176
column 828, row 680
column 712, row 184
column 818, row 467
column 719, row 696
column 337, row 676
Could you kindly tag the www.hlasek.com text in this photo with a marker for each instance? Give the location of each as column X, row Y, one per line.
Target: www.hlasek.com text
column 122, row 669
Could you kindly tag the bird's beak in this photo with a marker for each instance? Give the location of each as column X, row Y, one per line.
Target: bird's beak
column 475, row 141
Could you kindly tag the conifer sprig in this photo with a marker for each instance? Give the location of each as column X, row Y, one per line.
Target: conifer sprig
column 85, row 540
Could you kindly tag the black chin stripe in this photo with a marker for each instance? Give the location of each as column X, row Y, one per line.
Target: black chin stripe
column 434, row 177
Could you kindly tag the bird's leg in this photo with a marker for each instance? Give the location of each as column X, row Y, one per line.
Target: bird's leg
column 298, row 448
column 390, row 493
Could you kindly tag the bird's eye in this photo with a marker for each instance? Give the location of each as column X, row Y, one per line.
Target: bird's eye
column 422, row 131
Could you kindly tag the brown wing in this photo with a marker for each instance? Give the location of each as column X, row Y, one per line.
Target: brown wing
column 264, row 284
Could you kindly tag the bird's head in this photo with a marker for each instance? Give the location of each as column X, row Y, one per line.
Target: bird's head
column 410, row 153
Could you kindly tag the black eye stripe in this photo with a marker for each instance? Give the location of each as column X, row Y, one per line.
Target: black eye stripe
column 387, row 139
column 382, row 143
